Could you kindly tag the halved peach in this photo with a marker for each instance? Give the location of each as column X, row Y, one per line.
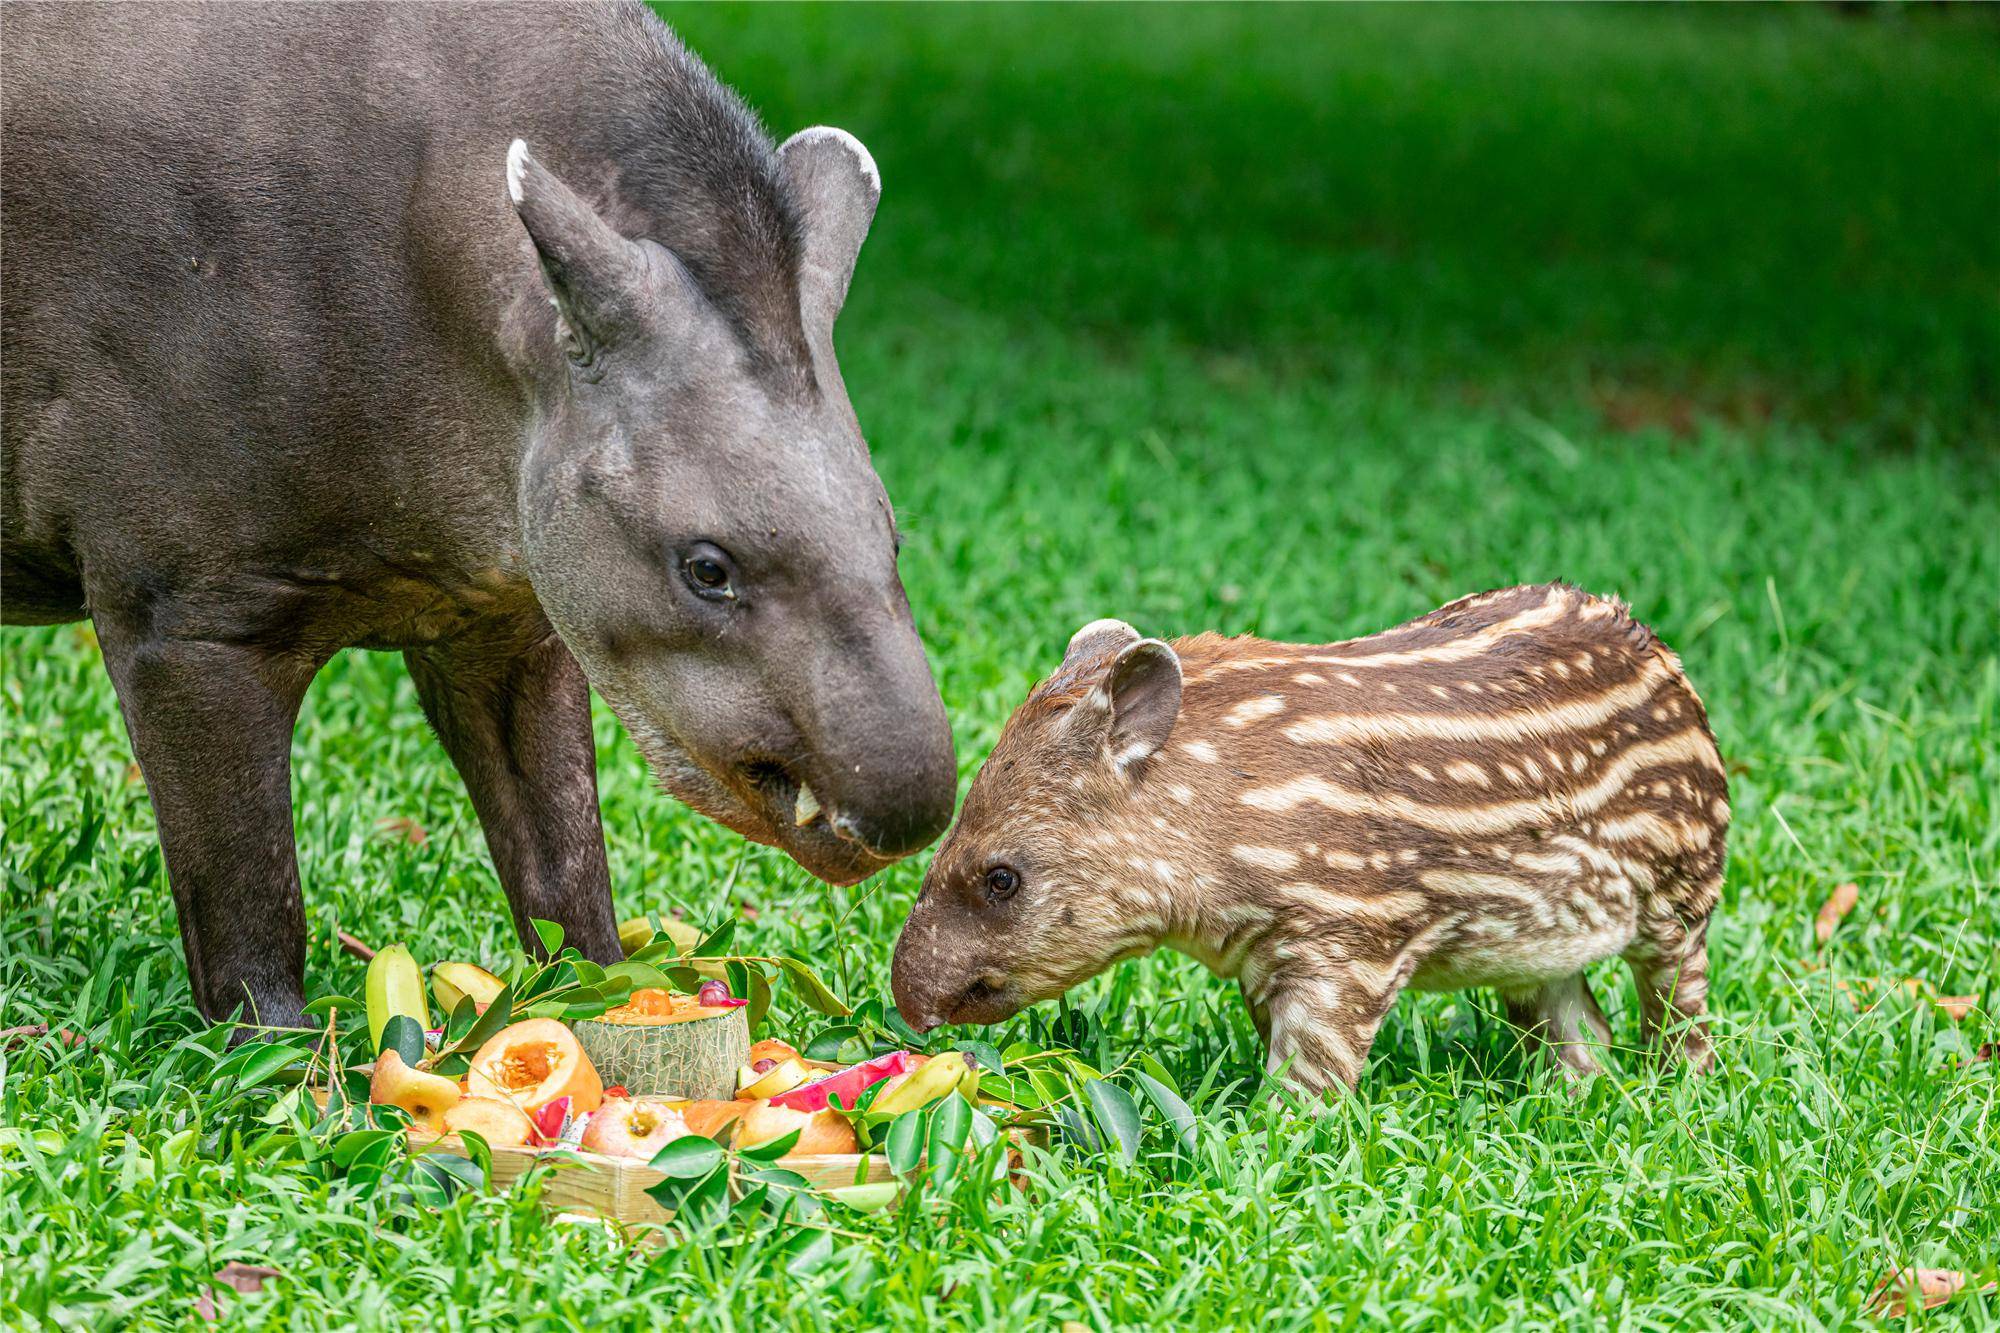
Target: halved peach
column 501, row 1124
column 531, row 1063
column 624, row 1127
column 425, row 1096
column 820, row 1132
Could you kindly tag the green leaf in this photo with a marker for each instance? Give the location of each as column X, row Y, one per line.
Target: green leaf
column 706, row 1206
column 269, row 1059
column 684, row 979
column 326, row 1004
column 951, row 1121
column 1169, row 1104
column 869, row 1198
column 636, row 974
column 688, row 1157
column 826, row 1046
column 759, row 996
column 772, row 1151
column 480, row 1152
column 904, row 1145
column 498, row 1015
column 550, row 934
column 349, row 1146
column 808, row 1251
column 812, row 992
column 1013, row 1089
column 405, row 1036
column 987, row 1054
column 1117, row 1114
column 463, row 1016
column 738, row 976
column 717, row 943
column 587, row 972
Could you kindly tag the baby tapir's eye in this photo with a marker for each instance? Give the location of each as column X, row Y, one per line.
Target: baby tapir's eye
column 1002, row 883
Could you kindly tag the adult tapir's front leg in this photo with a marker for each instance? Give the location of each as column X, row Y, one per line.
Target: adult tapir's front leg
column 211, row 724
column 513, row 710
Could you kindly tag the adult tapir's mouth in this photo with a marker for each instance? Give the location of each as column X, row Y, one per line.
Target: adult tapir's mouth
column 816, row 835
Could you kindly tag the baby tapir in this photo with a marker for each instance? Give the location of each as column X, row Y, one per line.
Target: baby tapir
column 1496, row 794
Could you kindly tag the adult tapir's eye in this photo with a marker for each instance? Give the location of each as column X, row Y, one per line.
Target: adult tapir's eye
column 707, row 573
column 1002, row 882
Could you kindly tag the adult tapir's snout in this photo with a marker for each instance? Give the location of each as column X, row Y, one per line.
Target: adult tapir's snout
column 879, row 763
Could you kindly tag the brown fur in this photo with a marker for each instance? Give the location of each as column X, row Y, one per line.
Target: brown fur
column 1497, row 793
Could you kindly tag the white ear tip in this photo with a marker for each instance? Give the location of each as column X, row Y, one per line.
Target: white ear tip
column 862, row 157
column 1108, row 625
column 517, row 168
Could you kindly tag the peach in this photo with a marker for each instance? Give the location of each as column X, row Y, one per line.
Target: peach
column 427, row 1097
column 707, row 1117
column 772, row 1049
column 625, row 1127
column 820, row 1132
column 501, row 1124
column 533, row 1062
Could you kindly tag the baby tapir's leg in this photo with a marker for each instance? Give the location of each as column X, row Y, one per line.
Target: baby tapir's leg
column 1322, row 1024
column 1669, row 960
column 1564, row 1014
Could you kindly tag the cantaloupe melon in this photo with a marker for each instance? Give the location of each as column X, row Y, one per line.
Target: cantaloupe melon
column 662, row 1045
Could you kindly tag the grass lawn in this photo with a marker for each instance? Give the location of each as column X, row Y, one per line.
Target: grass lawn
column 1289, row 321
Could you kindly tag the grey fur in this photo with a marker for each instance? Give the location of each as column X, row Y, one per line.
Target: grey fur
column 282, row 376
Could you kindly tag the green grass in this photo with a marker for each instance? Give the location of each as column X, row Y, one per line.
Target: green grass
column 1301, row 322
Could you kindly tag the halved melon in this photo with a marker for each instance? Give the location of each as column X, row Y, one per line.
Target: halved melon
column 501, row 1124
column 665, row 1045
column 531, row 1063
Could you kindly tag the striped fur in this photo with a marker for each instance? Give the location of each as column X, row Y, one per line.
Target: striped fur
column 1496, row 794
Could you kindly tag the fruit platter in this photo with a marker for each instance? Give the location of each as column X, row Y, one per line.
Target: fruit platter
column 638, row 1083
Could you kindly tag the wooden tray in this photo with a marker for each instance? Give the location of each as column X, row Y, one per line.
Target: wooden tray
column 615, row 1188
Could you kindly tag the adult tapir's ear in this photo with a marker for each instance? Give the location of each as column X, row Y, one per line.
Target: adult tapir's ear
column 596, row 276
column 832, row 181
column 1144, row 692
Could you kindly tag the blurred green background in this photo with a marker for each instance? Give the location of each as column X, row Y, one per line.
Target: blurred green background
column 1287, row 320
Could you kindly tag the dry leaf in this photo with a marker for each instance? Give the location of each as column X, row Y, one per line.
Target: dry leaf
column 1956, row 1007
column 354, row 947
column 1928, row 1287
column 402, row 826
column 1837, row 905
column 1985, row 1052
column 1862, row 988
column 133, row 773
column 237, row 1277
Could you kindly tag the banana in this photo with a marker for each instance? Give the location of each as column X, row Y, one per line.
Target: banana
column 937, row 1079
column 452, row 982
column 395, row 986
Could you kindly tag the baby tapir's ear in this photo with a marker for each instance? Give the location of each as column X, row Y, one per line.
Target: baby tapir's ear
column 1143, row 691
column 1097, row 638
column 597, row 277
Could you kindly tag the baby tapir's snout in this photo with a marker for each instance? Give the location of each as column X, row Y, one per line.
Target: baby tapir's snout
column 1007, row 916
column 1496, row 794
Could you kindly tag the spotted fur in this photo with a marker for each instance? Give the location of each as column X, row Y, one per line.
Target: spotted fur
column 1499, row 793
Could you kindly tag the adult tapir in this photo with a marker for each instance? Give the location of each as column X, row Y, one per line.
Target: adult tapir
column 498, row 336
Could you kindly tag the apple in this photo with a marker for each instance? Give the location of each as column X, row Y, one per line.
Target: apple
column 630, row 1127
